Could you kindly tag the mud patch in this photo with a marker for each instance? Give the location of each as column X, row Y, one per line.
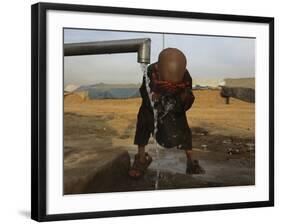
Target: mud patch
column 78, row 125
column 240, row 147
column 129, row 131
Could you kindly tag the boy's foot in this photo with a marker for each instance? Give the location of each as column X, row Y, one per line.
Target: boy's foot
column 139, row 167
column 193, row 167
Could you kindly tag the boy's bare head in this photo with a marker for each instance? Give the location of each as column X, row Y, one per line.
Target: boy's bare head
column 171, row 65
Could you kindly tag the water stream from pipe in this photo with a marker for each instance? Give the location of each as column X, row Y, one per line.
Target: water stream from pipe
column 155, row 115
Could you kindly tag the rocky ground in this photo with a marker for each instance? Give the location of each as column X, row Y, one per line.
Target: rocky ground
column 98, row 149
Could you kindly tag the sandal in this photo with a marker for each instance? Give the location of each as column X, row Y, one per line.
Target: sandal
column 138, row 168
column 193, row 167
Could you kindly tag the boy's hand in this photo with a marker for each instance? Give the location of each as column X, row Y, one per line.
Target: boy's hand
column 183, row 96
column 187, row 98
column 155, row 97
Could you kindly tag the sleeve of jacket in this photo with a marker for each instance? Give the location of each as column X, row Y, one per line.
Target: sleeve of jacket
column 142, row 89
column 188, row 97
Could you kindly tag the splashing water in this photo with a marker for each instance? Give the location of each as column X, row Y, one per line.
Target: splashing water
column 155, row 114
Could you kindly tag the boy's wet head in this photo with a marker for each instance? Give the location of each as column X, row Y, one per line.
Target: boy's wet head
column 171, row 65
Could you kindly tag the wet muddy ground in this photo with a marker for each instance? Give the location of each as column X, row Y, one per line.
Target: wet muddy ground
column 227, row 160
column 98, row 132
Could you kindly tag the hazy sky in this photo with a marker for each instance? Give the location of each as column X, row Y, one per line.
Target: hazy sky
column 208, row 57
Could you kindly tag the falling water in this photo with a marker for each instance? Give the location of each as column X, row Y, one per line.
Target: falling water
column 147, row 81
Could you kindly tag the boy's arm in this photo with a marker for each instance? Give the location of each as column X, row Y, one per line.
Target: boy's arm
column 143, row 91
column 187, row 96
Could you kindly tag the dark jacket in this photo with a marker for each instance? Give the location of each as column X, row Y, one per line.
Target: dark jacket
column 173, row 129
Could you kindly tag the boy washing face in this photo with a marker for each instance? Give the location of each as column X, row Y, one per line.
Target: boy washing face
column 171, row 89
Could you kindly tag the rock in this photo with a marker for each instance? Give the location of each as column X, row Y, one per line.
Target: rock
column 231, row 151
column 204, row 147
column 227, row 141
column 91, row 172
column 251, row 147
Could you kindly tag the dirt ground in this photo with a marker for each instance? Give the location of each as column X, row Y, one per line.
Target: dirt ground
column 223, row 140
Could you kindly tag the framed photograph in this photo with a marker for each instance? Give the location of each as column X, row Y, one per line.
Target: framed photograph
column 141, row 111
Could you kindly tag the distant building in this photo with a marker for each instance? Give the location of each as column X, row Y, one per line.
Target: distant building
column 239, row 82
column 197, row 86
column 240, row 88
column 71, row 88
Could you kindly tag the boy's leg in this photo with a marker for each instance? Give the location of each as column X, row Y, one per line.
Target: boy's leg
column 188, row 153
column 143, row 131
column 141, row 162
column 189, row 165
column 192, row 166
column 141, row 152
column 189, row 162
column 144, row 128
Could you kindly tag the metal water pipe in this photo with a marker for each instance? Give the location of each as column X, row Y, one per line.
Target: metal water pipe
column 141, row 46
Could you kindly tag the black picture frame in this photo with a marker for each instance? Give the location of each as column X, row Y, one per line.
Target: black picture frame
column 38, row 110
